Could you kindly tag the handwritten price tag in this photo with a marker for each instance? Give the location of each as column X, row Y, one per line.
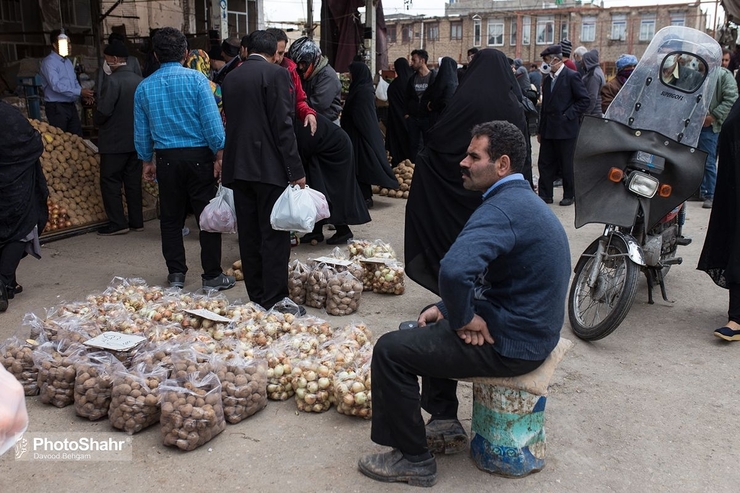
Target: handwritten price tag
column 202, row 312
column 115, row 341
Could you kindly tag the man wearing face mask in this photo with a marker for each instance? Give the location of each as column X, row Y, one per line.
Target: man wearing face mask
column 119, row 163
column 564, row 100
column 61, row 89
column 131, row 61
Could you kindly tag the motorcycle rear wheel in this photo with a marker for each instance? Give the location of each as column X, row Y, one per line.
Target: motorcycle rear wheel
column 595, row 312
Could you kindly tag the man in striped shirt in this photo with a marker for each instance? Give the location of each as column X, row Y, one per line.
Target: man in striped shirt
column 176, row 115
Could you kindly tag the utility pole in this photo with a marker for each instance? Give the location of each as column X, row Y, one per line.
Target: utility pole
column 309, row 19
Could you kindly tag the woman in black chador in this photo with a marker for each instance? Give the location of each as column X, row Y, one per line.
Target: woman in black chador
column 438, row 205
column 328, row 160
column 440, row 92
column 397, row 135
column 23, row 194
column 720, row 257
column 360, row 121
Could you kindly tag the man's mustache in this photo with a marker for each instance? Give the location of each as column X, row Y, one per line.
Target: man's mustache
column 465, row 171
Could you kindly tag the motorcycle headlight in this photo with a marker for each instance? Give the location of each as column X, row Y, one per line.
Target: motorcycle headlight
column 643, row 184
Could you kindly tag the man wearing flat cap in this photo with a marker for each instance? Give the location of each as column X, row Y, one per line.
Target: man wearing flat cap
column 230, row 52
column 564, row 100
column 119, row 163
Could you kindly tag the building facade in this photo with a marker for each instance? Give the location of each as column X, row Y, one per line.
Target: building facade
column 521, row 30
column 25, row 24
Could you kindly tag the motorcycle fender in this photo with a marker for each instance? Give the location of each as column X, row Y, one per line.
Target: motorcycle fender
column 634, row 251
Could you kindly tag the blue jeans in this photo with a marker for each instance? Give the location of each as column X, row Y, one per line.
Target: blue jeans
column 708, row 143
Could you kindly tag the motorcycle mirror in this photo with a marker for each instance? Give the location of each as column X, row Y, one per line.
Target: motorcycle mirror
column 683, row 71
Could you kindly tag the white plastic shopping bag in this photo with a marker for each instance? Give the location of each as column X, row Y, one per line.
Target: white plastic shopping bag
column 219, row 215
column 322, row 206
column 294, row 210
column 381, row 92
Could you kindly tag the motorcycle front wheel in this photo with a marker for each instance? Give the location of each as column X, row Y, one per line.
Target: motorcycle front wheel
column 596, row 311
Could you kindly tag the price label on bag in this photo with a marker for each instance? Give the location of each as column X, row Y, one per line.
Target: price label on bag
column 115, row 341
column 333, row 261
column 202, row 312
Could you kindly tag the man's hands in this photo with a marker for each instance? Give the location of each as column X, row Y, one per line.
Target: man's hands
column 87, row 94
column 708, row 120
column 430, row 316
column 310, row 120
column 217, row 164
column 476, row 332
column 149, row 170
column 301, row 183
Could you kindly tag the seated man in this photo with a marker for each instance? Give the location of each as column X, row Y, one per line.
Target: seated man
column 503, row 285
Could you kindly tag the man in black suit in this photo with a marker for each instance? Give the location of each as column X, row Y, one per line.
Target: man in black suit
column 260, row 159
column 564, row 100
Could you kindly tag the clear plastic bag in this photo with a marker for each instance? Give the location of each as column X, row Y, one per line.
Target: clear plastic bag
column 318, row 280
column 135, row 398
column 93, row 384
column 16, row 354
column 243, row 386
column 343, row 293
column 56, row 364
column 192, row 412
column 294, row 210
column 298, row 281
column 219, row 215
column 313, row 386
column 353, row 389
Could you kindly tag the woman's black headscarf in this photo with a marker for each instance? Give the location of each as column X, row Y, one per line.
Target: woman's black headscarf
column 438, row 205
column 360, row 121
column 23, row 189
column 397, row 135
column 440, row 92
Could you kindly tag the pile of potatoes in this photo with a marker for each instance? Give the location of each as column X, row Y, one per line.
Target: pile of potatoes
column 404, row 174
column 135, row 398
column 243, row 387
column 343, row 294
column 56, row 364
column 93, row 384
column 236, row 270
column 16, row 355
column 297, row 281
column 72, row 172
column 192, row 411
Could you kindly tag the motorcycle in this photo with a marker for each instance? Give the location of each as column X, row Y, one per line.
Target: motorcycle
column 634, row 168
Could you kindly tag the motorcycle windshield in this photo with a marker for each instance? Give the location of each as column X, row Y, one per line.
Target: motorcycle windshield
column 603, row 145
column 671, row 87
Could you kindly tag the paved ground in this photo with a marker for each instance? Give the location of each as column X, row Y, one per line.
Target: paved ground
column 650, row 408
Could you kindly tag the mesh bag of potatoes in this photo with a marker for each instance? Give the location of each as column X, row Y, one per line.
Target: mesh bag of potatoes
column 16, row 355
column 312, row 382
column 352, row 388
column 318, row 280
column 298, row 281
column 93, row 384
column 243, row 386
column 192, row 411
column 343, row 292
column 56, row 364
column 135, row 398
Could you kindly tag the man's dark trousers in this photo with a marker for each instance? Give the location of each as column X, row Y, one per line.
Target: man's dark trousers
column 264, row 251
column 64, row 116
column 437, row 354
column 417, row 128
column 116, row 169
column 555, row 152
column 186, row 175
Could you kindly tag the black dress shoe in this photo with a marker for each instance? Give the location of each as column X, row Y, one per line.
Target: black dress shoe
column 339, row 239
column 311, row 237
column 566, row 202
column 369, row 203
column 547, row 200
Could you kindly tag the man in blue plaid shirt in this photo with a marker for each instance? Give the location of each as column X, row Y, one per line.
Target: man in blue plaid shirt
column 175, row 114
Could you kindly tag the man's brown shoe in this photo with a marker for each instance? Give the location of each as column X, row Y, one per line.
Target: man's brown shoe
column 393, row 467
